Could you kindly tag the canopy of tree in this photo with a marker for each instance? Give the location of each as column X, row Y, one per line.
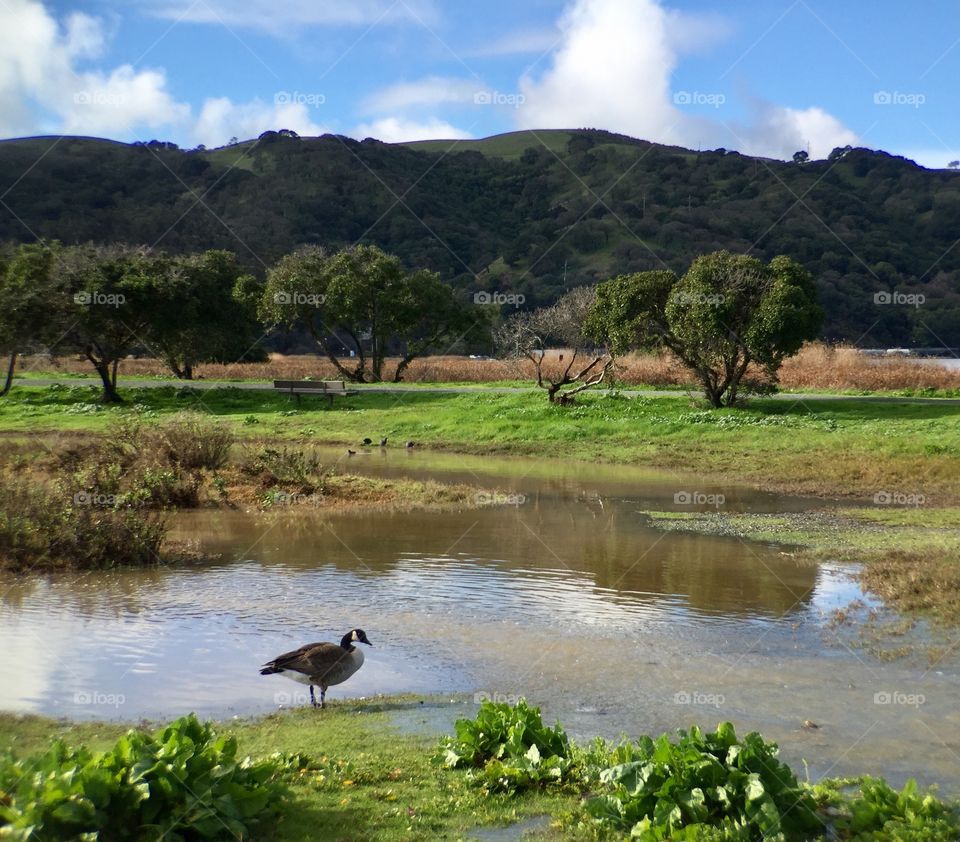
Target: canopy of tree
column 533, row 213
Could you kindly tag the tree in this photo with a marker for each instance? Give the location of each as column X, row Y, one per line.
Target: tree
column 27, row 306
column 116, row 293
column 204, row 313
column 361, row 298
column 801, row 157
column 953, row 165
column 726, row 313
column 531, row 334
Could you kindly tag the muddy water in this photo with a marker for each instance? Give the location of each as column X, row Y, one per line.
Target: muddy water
column 564, row 594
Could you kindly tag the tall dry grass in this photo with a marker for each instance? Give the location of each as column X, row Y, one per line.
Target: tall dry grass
column 817, row 366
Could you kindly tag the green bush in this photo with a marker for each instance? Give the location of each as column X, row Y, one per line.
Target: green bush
column 192, row 441
column 41, row 527
column 870, row 810
column 184, row 783
column 704, row 786
column 287, row 467
column 509, row 748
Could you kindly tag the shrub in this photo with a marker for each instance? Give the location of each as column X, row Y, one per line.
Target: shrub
column 509, row 748
column 191, row 441
column 40, row 527
column 185, row 782
column 287, row 466
column 704, row 786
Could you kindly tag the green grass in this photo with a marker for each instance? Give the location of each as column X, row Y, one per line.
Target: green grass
column 508, row 145
column 376, row 782
column 831, row 446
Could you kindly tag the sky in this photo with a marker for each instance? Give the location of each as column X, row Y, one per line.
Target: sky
column 765, row 78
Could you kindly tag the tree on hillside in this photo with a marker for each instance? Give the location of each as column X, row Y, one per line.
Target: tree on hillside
column 362, row 299
column 560, row 326
column 204, row 314
column 27, row 305
column 726, row 313
column 114, row 293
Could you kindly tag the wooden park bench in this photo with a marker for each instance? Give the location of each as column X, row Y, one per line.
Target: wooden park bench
column 329, row 388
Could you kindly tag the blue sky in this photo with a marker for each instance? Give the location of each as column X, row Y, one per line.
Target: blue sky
column 763, row 77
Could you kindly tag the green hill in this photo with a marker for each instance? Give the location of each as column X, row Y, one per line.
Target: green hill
column 530, row 212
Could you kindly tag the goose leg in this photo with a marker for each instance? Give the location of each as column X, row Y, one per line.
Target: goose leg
column 313, row 701
column 323, row 694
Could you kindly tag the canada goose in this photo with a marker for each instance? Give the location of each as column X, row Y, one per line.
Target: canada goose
column 367, row 442
column 411, row 444
column 323, row 664
column 383, row 442
column 351, row 452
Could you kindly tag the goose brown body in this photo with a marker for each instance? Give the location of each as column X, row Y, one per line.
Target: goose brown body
column 320, row 664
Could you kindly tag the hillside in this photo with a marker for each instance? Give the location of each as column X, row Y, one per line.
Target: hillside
column 527, row 212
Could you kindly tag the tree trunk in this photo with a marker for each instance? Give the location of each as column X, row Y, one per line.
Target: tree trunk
column 113, row 374
column 187, row 371
column 10, row 367
column 110, row 394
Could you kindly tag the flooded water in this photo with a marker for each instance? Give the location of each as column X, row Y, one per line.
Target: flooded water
column 564, row 594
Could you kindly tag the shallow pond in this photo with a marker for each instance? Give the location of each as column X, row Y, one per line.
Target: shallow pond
column 564, row 594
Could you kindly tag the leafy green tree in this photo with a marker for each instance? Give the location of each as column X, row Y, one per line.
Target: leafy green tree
column 205, row 313
column 726, row 313
column 28, row 307
column 361, row 300
column 116, row 293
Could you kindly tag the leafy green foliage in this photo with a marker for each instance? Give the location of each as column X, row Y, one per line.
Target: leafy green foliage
column 704, row 786
column 362, row 300
column 186, row 782
column 508, row 748
column 727, row 313
column 870, row 810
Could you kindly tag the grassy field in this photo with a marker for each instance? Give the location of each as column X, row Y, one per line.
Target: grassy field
column 828, row 447
column 376, row 783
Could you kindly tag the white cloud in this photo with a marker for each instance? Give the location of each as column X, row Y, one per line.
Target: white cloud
column 430, row 91
column 278, row 18
column 517, row 43
column 41, row 87
column 613, row 68
column 399, row 130
column 220, row 119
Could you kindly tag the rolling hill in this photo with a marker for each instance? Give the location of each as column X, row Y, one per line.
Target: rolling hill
column 532, row 212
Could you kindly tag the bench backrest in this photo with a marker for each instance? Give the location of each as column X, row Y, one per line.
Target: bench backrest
column 311, row 385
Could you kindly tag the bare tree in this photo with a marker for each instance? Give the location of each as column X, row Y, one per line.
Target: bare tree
column 530, row 334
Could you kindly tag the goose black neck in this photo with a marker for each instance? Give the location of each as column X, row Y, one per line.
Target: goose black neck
column 347, row 640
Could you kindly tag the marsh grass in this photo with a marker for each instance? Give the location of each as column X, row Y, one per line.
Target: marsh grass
column 818, row 367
